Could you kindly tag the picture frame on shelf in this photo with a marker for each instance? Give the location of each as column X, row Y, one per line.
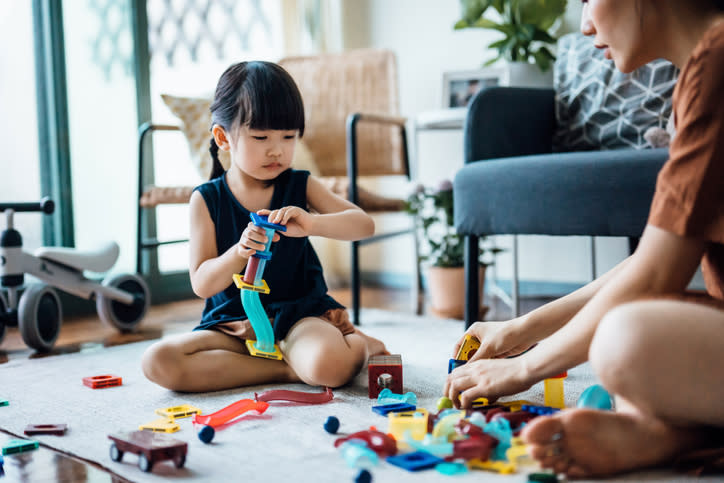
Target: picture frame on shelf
column 458, row 87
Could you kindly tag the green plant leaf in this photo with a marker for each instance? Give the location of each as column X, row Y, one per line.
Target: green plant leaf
column 542, row 13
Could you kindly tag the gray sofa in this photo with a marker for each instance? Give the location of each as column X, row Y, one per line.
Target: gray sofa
column 513, row 184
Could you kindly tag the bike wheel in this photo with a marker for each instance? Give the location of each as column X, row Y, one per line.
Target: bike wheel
column 40, row 316
column 124, row 317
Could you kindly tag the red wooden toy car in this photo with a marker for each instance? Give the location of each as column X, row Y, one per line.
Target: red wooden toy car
column 149, row 446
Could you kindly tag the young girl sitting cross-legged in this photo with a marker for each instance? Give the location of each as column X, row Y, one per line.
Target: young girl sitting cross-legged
column 258, row 116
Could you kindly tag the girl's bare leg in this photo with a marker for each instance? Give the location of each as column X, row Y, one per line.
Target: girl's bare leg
column 207, row 360
column 321, row 356
column 661, row 359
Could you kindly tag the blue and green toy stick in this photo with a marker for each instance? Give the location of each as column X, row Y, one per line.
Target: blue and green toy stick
column 251, row 285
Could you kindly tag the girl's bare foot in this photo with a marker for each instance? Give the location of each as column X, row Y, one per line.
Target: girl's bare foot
column 587, row 443
column 375, row 347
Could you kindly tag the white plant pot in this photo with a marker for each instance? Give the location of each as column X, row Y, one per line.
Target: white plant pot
column 523, row 74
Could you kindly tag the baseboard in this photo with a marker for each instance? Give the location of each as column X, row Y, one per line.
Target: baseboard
column 526, row 288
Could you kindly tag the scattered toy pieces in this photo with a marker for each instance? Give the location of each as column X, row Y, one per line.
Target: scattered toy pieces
column 176, row 412
column 101, row 382
column 161, row 425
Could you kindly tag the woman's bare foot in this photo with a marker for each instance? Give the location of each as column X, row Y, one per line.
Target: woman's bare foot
column 375, row 347
column 587, row 443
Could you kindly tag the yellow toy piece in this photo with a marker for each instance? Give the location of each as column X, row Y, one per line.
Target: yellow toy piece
column 161, row 425
column 175, row 412
column 516, row 405
column 242, row 285
column 467, row 348
column 275, row 355
column 553, row 390
column 413, row 421
column 445, row 427
column 518, row 452
column 502, row 467
column 480, row 402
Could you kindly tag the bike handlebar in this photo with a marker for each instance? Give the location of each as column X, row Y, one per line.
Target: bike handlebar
column 46, row 205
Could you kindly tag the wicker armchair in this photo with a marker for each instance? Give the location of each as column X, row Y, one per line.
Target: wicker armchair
column 352, row 129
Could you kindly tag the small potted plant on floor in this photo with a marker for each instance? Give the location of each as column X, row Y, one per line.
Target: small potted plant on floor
column 442, row 250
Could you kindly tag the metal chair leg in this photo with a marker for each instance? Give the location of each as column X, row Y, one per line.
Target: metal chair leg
column 354, row 269
column 514, row 290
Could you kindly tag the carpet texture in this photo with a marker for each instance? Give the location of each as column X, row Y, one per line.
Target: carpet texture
column 287, row 443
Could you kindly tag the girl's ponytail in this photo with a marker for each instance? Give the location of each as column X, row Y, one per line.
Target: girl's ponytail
column 216, row 168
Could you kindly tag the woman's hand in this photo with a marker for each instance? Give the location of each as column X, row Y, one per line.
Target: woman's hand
column 489, row 378
column 498, row 339
column 298, row 221
column 253, row 239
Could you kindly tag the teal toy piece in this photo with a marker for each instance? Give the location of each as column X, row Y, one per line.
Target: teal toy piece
column 595, row 397
column 259, row 321
column 386, row 396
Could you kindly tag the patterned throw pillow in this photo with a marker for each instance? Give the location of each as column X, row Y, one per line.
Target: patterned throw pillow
column 195, row 116
column 598, row 107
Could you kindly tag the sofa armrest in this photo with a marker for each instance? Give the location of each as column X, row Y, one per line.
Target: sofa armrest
column 509, row 121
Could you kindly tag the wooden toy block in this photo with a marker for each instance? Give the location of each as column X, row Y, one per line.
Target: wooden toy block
column 100, row 382
column 175, row 412
column 161, row 425
column 55, row 429
column 15, row 446
column 384, row 372
column 150, row 448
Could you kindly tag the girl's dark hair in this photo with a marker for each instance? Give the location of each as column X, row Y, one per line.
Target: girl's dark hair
column 258, row 94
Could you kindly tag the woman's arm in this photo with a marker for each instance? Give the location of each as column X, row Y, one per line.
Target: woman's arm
column 664, row 263
column 210, row 273
column 337, row 218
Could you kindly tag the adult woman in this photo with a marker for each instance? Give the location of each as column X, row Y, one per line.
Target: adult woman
column 653, row 345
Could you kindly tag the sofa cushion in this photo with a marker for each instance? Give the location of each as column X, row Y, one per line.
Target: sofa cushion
column 598, row 107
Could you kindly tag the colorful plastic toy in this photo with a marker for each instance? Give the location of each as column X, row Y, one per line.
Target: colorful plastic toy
column 516, row 405
column 295, row 396
column 468, row 347
column 379, row 442
column 121, row 300
column 230, row 412
column 150, row 448
column 384, row 372
column 445, row 425
column 502, row 467
column 430, row 444
column 161, row 425
column 543, row 477
column 416, row 461
column 595, row 397
column 393, row 408
column 539, row 410
column 386, row 396
column 250, row 286
column 101, row 382
column 414, row 421
column 4, row 402
column 453, row 364
column 176, row 412
column 363, row 476
column 331, row 425
column 358, row 455
column 475, row 447
column 451, row 469
column 15, row 446
column 444, row 403
column 553, row 390
column 54, row 429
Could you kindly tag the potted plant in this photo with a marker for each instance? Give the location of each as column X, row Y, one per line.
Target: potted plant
column 526, row 26
column 443, row 249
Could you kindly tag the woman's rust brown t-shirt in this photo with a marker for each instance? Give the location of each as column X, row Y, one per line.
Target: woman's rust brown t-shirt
column 689, row 199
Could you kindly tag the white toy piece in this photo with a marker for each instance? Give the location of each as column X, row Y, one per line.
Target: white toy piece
column 121, row 300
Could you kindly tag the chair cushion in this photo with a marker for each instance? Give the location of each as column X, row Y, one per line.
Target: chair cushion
column 604, row 193
column 598, row 107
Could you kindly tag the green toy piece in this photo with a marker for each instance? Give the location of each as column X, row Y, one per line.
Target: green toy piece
column 19, row 446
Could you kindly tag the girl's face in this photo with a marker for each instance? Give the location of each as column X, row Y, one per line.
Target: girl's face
column 262, row 153
column 620, row 27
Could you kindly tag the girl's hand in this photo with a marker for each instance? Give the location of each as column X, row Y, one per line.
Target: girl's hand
column 298, row 221
column 253, row 239
column 489, row 378
column 498, row 339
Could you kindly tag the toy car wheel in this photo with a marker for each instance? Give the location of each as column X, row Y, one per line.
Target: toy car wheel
column 117, row 314
column 116, row 454
column 40, row 316
column 180, row 461
column 144, row 463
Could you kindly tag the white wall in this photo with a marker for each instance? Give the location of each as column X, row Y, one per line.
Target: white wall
column 421, row 34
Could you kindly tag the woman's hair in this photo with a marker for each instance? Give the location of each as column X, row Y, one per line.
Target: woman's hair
column 260, row 95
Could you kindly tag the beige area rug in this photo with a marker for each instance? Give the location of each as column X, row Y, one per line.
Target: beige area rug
column 286, row 444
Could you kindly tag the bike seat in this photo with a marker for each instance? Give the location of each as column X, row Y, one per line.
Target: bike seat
column 98, row 260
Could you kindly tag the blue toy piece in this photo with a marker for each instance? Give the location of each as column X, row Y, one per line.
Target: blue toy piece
column 454, row 364
column 331, row 425
column 263, row 221
column 430, row 445
column 259, row 321
column 206, row 434
column 539, row 410
column 595, row 397
column 416, row 461
column 393, row 408
column 363, row 476
column 386, row 396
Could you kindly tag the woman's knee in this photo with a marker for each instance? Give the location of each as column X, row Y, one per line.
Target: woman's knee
column 161, row 364
column 617, row 351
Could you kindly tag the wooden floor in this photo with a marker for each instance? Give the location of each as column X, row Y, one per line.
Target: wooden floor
column 88, row 333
